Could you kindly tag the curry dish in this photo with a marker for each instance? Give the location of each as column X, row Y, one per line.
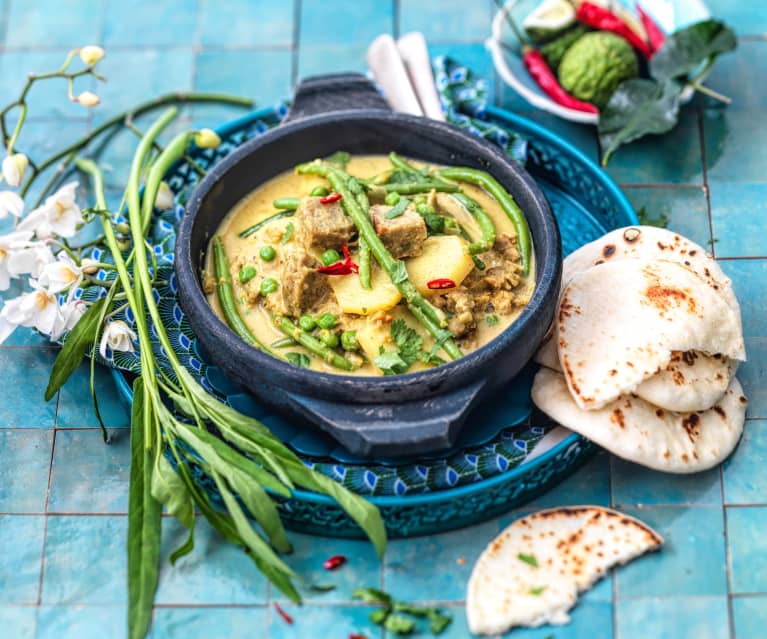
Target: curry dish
column 371, row 265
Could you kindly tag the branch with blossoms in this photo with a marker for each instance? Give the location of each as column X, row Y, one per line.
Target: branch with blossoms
column 253, row 471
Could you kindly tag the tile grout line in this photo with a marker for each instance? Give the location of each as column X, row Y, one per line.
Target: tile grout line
column 295, row 43
column 706, row 188
column 47, row 500
column 727, row 562
column 613, row 573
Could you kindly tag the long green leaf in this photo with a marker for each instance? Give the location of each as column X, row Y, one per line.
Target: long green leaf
column 73, row 351
column 169, row 489
column 144, row 519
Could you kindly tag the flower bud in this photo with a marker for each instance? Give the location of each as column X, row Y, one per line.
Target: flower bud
column 207, row 139
column 123, row 245
column 91, row 54
column 164, row 200
column 14, row 167
column 88, row 99
column 122, row 227
column 89, row 266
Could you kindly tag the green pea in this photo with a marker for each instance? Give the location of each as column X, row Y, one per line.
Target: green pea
column 349, row 340
column 329, row 338
column 391, row 198
column 424, row 209
column 319, row 191
column 326, row 320
column 267, row 253
column 420, row 199
column 247, row 273
column 307, row 323
column 330, row 257
column 269, row 285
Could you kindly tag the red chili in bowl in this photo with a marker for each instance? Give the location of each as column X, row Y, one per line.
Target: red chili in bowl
column 329, row 199
column 440, row 283
column 341, row 268
column 597, row 17
column 334, row 562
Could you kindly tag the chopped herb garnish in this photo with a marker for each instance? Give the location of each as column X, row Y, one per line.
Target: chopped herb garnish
column 528, row 559
column 538, row 590
column 399, row 624
column 288, row 233
column 398, row 272
column 491, row 320
column 661, row 221
column 299, row 359
column 339, row 158
column 408, row 349
column 398, row 209
column 391, row 616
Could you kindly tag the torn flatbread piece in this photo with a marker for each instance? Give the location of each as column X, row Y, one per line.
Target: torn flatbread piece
column 619, row 324
column 634, row 429
column 532, row 572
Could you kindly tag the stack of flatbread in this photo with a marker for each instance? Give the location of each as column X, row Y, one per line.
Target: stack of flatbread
column 643, row 352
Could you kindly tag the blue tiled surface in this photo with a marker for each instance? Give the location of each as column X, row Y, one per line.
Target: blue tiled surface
column 65, row 573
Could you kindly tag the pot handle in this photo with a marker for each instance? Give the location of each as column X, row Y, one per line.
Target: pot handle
column 393, row 430
column 334, row 92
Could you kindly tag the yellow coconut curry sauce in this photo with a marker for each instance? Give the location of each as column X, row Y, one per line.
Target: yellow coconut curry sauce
column 290, row 279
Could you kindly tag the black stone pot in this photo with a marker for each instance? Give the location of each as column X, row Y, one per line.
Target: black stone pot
column 375, row 416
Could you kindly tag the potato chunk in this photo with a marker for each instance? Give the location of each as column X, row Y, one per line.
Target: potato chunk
column 444, row 256
column 352, row 298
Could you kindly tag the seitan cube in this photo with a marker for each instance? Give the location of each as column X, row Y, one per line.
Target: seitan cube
column 302, row 288
column 403, row 235
column 322, row 226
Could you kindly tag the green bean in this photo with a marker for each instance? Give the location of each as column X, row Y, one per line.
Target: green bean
column 484, row 221
column 259, row 225
column 313, row 345
column 283, row 342
column 477, row 262
column 319, row 191
column 506, row 201
column 364, row 250
column 381, row 190
column 427, row 314
column 286, row 203
column 225, row 293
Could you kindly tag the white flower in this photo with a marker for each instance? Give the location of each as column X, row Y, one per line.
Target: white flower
column 117, row 337
column 207, row 139
column 38, row 309
column 8, row 246
column 71, row 312
column 88, row 99
column 61, row 275
column 91, row 54
column 14, row 167
column 29, row 258
column 10, row 204
column 164, row 200
column 59, row 215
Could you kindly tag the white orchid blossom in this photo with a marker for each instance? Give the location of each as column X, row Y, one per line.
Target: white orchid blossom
column 38, row 309
column 59, row 215
column 117, row 336
column 10, row 204
column 8, row 245
column 14, row 166
column 29, row 258
column 71, row 312
column 61, row 275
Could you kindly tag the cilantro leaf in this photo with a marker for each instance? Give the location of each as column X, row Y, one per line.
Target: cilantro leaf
column 408, row 345
column 340, row 159
column 528, row 559
column 391, row 363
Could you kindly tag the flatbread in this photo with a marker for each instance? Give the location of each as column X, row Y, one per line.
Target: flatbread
column 636, row 430
column 572, row 548
column 620, row 322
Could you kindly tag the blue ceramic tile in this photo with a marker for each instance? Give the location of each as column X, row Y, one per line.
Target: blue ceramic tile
column 246, row 23
column 672, row 618
column 331, row 58
column 19, row 621
column 753, row 377
column 747, row 18
column 748, row 548
column 85, row 560
column 749, row 279
column 344, row 23
column 446, row 20
column 76, row 407
column 738, row 212
column 686, row 209
column 743, row 471
column 589, row 484
column 733, row 76
column 26, row 410
column 362, row 566
column 131, row 23
column 474, row 56
column 47, row 98
column 98, row 482
column 735, row 142
column 674, row 158
column 450, row 560
column 81, row 622
column 137, row 75
column 24, row 465
column 582, row 136
column 213, row 573
column 750, row 617
column 322, row 621
column 67, row 23
column 634, row 485
column 691, row 561
column 20, row 570
column 185, row 623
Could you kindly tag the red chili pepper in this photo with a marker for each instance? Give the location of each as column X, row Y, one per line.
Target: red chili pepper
column 540, row 71
column 341, row 268
column 596, row 17
column 282, row 613
column 334, row 562
column 654, row 33
column 440, row 283
column 329, row 199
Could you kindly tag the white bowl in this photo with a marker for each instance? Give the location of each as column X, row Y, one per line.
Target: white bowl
column 669, row 14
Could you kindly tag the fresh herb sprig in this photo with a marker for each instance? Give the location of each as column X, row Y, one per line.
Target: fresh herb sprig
column 408, row 345
column 396, row 616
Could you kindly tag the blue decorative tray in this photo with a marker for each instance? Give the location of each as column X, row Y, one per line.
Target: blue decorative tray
column 494, row 467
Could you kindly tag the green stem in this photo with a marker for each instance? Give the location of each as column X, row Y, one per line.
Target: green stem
column 19, row 124
column 710, row 92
